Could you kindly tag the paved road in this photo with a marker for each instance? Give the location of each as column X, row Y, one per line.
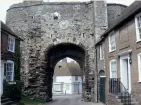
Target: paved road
column 69, row 100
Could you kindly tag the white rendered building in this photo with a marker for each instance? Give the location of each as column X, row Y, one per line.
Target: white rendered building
column 67, row 78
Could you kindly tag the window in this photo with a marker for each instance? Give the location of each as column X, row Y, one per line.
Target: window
column 138, row 26
column 57, row 87
column 9, row 70
column 101, row 52
column 113, row 69
column 139, row 66
column 11, row 43
column 67, row 86
column 76, row 78
column 112, row 41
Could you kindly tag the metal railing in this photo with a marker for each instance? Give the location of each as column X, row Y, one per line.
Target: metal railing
column 117, row 88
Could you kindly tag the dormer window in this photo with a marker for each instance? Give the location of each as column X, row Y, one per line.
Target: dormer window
column 11, row 43
column 76, row 78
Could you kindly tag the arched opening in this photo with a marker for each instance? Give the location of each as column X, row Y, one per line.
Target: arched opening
column 54, row 54
column 102, row 80
column 102, row 73
column 67, row 78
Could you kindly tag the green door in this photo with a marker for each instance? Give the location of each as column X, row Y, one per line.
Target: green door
column 102, row 89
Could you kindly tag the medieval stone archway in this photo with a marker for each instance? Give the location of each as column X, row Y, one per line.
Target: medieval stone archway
column 76, row 25
column 55, row 53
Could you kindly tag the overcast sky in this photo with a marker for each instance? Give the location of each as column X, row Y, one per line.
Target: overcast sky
column 4, row 5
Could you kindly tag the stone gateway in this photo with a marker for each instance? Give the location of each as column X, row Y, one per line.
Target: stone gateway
column 52, row 31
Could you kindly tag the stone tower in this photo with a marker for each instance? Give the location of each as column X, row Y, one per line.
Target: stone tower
column 53, row 31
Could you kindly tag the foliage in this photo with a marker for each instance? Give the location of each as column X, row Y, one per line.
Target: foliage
column 28, row 101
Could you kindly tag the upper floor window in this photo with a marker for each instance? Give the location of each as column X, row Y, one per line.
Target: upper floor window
column 112, row 41
column 101, row 52
column 11, row 43
column 139, row 66
column 138, row 26
column 76, row 78
column 113, row 69
column 9, row 70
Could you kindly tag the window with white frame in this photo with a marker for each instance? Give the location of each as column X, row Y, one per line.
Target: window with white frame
column 9, row 70
column 139, row 66
column 113, row 69
column 138, row 26
column 76, row 78
column 57, row 87
column 67, row 86
column 112, row 41
column 101, row 52
column 11, row 43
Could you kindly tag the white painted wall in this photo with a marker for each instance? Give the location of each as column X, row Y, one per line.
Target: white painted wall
column 79, row 81
column 68, row 84
column 65, row 79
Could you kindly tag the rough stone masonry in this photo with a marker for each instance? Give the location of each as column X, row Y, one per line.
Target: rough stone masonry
column 52, row 31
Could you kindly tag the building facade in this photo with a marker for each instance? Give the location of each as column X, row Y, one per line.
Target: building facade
column 67, row 78
column 10, row 57
column 118, row 52
column 53, row 31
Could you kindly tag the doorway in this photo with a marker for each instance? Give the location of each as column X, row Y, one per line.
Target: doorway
column 102, row 80
column 102, row 89
column 76, row 88
column 125, row 72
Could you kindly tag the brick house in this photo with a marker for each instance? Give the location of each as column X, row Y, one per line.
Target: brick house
column 118, row 56
column 10, row 57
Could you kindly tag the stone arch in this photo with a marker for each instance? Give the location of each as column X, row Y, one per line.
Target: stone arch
column 101, row 73
column 52, row 55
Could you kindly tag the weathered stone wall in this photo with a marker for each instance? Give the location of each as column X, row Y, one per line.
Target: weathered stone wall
column 114, row 12
column 77, row 23
column 100, row 19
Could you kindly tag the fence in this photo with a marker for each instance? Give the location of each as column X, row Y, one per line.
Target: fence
column 116, row 87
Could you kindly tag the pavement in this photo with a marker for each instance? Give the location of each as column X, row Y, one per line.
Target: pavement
column 69, row 100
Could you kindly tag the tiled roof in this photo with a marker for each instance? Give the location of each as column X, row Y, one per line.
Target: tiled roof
column 67, row 69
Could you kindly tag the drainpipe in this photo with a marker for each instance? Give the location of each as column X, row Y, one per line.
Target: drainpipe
column 96, row 70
